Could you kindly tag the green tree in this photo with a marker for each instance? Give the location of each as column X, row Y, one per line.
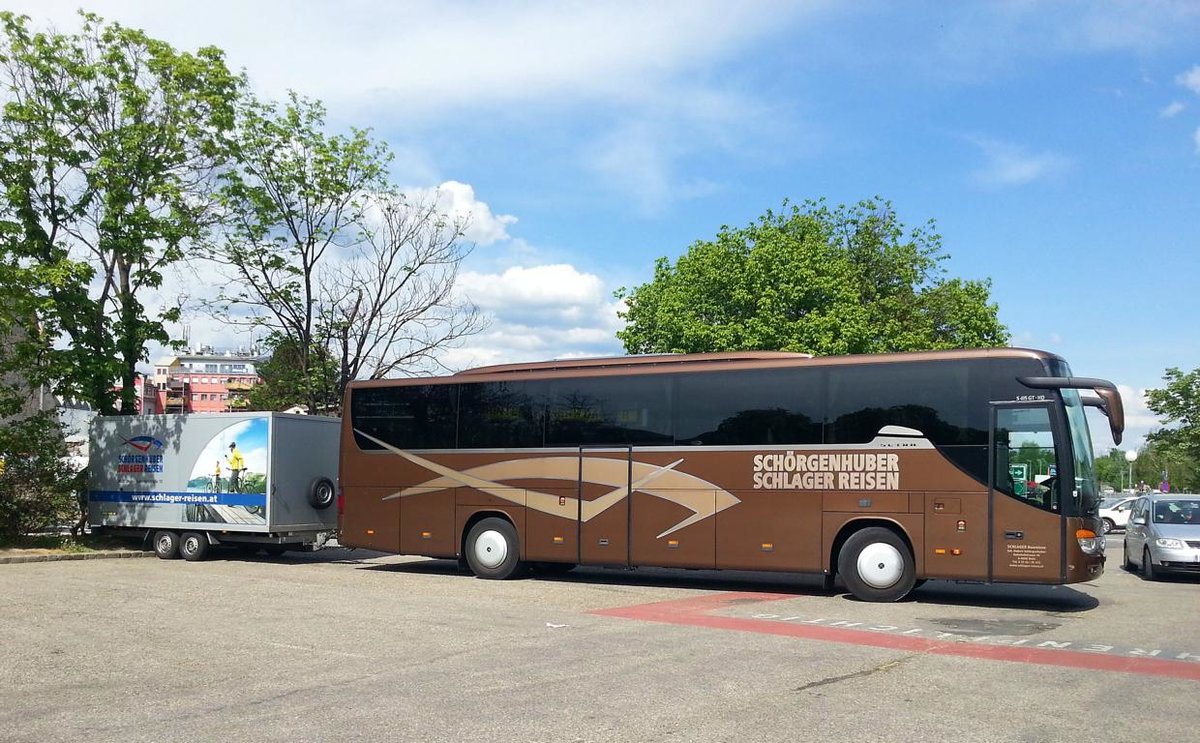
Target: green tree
column 1157, row 462
column 1111, row 470
column 811, row 279
column 324, row 253
column 1178, row 404
column 39, row 490
column 107, row 143
column 285, row 383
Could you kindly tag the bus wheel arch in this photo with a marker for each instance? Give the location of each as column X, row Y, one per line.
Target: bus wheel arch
column 491, row 546
column 875, row 560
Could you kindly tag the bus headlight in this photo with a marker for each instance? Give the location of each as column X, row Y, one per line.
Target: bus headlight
column 1090, row 542
column 1169, row 544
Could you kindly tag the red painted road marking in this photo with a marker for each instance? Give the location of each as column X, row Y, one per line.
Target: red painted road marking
column 695, row 612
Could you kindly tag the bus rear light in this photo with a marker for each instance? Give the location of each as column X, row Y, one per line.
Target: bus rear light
column 939, row 551
column 341, row 501
column 956, row 552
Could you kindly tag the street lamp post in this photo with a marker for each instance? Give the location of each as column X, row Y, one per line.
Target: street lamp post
column 1131, row 457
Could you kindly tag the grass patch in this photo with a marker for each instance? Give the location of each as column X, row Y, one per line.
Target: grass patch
column 61, row 544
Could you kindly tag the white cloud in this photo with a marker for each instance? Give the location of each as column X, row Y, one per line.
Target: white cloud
column 1007, row 165
column 1190, row 79
column 433, row 55
column 559, row 286
column 417, row 63
column 538, row 313
column 457, row 200
column 1171, row 110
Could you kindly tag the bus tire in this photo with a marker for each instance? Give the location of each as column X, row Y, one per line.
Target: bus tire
column 492, row 549
column 321, row 493
column 166, row 545
column 876, row 565
column 193, row 546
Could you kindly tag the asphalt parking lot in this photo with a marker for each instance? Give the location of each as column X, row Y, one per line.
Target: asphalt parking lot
column 342, row 645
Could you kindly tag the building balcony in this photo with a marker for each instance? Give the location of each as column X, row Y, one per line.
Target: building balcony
column 238, row 385
column 238, row 403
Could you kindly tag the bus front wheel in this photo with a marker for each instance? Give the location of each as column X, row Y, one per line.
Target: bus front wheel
column 876, row 565
column 492, row 550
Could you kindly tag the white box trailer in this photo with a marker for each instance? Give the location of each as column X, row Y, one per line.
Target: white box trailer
column 168, row 480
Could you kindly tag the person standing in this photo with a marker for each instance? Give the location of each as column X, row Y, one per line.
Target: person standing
column 236, row 465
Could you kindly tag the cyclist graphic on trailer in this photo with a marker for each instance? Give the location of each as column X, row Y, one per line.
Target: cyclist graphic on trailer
column 236, row 466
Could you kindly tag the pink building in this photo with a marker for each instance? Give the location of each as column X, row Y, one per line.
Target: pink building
column 206, row 382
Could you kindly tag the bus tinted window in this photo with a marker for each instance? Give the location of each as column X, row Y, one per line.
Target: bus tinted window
column 610, row 410
column 407, row 417
column 501, row 415
column 780, row 406
column 929, row 397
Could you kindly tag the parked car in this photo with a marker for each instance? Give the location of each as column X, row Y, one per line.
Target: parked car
column 1114, row 512
column 1163, row 535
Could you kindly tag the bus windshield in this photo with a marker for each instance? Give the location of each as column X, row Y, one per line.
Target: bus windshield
column 1081, row 449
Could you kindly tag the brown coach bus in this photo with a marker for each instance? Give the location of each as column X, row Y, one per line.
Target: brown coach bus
column 885, row 470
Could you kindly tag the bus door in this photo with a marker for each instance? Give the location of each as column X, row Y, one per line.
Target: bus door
column 1025, row 502
column 604, row 483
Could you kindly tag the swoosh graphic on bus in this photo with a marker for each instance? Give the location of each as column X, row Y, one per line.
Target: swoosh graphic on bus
column 699, row 496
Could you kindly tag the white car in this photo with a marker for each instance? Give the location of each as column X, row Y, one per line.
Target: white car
column 1114, row 512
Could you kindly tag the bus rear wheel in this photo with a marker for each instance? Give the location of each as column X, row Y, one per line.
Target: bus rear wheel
column 492, row 549
column 876, row 565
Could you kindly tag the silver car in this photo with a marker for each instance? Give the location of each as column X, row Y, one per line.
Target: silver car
column 1163, row 535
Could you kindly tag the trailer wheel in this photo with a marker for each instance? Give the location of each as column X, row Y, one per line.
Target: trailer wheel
column 876, row 565
column 193, row 546
column 321, row 493
column 166, row 545
column 492, row 549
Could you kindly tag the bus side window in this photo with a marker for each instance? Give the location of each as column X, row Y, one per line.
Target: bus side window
column 1025, row 457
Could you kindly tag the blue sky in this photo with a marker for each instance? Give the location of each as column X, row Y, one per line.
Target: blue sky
column 1057, row 144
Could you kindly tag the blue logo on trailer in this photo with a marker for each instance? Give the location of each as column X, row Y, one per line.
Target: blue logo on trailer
column 144, row 443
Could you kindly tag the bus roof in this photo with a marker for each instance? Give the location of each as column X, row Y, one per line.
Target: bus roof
column 657, row 359
column 656, row 363
column 748, row 358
